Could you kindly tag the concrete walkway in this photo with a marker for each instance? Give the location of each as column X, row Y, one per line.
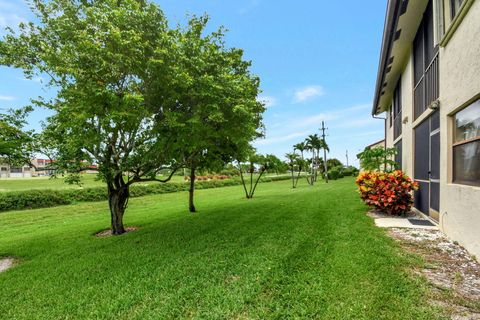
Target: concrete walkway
column 400, row 223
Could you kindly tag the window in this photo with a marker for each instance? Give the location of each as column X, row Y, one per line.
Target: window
column 398, row 155
column 15, row 170
column 466, row 147
column 425, row 64
column 455, row 6
column 397, row 110
column 3, row 169
column 391, row 116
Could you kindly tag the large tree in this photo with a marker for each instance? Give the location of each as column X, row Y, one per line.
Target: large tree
column 103, row 57
column 217, row 113
column 17, row 145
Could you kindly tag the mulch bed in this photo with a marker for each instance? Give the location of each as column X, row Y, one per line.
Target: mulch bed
column 108, row 232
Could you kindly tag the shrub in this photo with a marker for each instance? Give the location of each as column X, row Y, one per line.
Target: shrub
column 335, row 173
column 32, row 199
column 388, row 192
column 350, row 171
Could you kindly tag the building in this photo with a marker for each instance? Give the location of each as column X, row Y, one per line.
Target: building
column 39, row 167
column 42, row 167
column 7, row 171
column 377, row 144
column 428, row 84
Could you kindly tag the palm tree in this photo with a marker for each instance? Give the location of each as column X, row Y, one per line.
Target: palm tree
column 324, row 146
column 300, row 147
column 313, row 143
column 292, row 160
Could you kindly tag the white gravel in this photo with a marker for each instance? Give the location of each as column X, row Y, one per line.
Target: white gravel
column 6, row 263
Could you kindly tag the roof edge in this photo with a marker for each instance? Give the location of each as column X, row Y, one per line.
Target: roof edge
column 390, row 26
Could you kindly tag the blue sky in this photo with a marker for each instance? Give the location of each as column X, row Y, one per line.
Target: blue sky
column 317, row 60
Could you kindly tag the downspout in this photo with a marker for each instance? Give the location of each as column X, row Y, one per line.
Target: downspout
column 384, row 128
column 384, row 139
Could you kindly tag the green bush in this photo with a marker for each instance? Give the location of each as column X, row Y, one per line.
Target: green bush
column 335, row 173
column 350, row 171
column 32, row 199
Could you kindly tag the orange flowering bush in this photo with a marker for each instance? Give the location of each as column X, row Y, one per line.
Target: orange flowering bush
column 390, row 192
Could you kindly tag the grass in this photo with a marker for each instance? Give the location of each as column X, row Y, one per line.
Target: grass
column 305, row 253
column 42, row 183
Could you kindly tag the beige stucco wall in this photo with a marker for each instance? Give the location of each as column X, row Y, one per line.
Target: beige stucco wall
column 407, row 111
column 459, row 84
column 407, row 116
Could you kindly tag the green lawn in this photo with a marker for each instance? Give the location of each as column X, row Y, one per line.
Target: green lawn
column 304, row 253
column 43, row 183
column 22, row 184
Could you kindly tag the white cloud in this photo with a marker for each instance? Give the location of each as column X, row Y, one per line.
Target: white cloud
column 34, row 79
column 11, row 20
column 338, row 116
column 268, row 101
column 281, row 138
column 11, row 15
column 306, row 93
column 6, row 98
column 366, row 122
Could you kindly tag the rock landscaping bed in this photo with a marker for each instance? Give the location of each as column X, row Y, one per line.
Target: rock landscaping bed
column 453, row 273
column 6, row 263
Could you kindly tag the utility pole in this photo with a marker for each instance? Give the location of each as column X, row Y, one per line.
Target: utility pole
column 324, row 152
column 346, row 154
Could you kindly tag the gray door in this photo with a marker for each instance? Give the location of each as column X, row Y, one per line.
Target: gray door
column 427, row 166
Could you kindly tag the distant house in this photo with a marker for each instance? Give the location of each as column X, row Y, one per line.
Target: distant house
column 429, row 85
column 7, row 171
column 380, row 143
column 42, row 167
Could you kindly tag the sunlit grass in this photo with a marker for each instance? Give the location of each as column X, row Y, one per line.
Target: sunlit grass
column 309, row 252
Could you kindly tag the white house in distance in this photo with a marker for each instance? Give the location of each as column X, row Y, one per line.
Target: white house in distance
column 429, row 86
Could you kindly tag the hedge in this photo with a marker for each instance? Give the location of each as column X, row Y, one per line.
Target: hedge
column 32, row 199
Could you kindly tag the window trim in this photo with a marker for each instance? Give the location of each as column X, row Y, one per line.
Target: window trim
column 452, row 8
column 465, row 141
column 470, row 103
column 452, row 24
column 397, row 103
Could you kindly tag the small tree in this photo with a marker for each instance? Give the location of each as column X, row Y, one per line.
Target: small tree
column 378, row 159
column 255, row 164
column 276, row 165
column 293, row 165
column 217, row 110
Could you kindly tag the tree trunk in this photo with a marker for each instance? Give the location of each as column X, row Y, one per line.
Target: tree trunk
column 312, row 177
column 191, row 205
column 293, row 179
column 117, row 200
column 298, row 177
column 256, row 183
column 243, row 180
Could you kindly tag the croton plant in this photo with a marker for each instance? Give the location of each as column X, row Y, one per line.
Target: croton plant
column 390, row 192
